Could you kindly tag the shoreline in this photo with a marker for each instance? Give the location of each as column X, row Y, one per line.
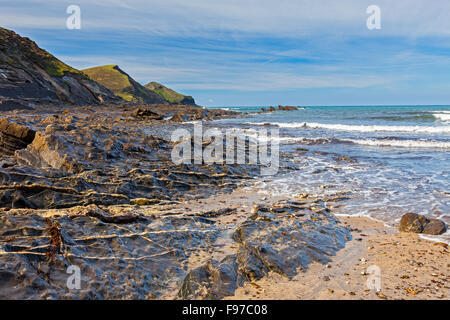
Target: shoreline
column 171, row 229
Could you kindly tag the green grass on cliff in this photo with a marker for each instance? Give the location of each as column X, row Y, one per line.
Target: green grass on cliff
column 22, row 52
column 113, row 79
column 166, row 93
column 121, row 84
column 55, row 67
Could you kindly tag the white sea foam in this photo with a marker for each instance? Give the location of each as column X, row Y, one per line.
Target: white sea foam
column 442, row 116
column 359, row 128
column 401, row 143
column 441, row 111
column 367, row 142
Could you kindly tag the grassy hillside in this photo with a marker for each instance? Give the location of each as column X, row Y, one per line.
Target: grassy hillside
column 121, row 84
column 31, row 76
column 169, row 94
column 21, row 52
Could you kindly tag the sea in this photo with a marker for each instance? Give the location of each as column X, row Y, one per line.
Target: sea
column 387, row 160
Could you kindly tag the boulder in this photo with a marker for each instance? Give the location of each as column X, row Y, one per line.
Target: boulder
column 435, row 227
column 14, row 137
column 413, row 222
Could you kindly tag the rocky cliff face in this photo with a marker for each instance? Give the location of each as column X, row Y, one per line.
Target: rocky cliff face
column 30, row 76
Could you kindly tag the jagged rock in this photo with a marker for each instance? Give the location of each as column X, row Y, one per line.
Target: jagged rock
column 107, row 217
column 49, row 150
column 212, row 281
column 179, row 117
column 412, row 222
column 19, row 201
column 107, row 159
column 145, row 113
column 14, row 137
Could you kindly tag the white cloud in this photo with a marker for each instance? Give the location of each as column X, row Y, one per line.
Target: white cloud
column 284, row 18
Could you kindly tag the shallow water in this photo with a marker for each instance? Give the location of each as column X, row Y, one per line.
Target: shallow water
column 396, row 157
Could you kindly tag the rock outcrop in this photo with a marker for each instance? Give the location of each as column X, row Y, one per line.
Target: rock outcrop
column 102, row 155
column 145, row 113
column 14, row 137
column 287, row 108
column 31, row 76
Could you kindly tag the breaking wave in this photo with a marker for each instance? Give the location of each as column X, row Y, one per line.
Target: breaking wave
column 359, row 128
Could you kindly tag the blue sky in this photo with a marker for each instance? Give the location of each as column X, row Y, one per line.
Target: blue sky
column 249, row 52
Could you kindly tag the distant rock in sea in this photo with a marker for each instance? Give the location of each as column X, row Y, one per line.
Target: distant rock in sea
column 31, row 76
column 287, row 108
column 124, row 86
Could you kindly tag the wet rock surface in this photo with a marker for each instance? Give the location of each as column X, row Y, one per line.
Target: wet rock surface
column 100, row 156
column 120, row 257
column 130, row 252
column 14, row 137
column 95, row 188
column 284, row 238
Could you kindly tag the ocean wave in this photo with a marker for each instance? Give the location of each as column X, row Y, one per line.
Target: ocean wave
column 359, row 128
column 441, row 111
column 401, row 143
column 368, row 142
column 442, row 116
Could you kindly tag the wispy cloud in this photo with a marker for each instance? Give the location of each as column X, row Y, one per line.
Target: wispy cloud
column 250, row 47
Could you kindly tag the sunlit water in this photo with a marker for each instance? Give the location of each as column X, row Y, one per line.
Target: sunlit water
column 401, row 157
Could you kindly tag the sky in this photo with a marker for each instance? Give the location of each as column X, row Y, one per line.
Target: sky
column 256, row 52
